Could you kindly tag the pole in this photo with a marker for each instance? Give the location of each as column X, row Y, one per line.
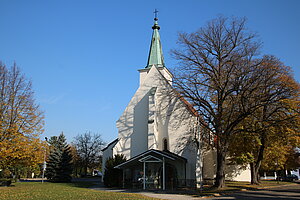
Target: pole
column 164, row 174
column 123, row 178
column 144, row 176
column 44, row 167
column 44, row 164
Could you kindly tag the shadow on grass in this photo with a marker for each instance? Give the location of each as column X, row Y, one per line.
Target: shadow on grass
column 81, row 184
column 12, row 185
column 32, row 180
column 76, row 182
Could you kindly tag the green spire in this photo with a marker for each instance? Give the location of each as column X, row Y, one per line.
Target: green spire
column 155, row 55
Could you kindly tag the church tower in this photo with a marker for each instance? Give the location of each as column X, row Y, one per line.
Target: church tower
column 155, row 57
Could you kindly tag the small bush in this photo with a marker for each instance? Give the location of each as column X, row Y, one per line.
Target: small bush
column 5, row 182
column 5, row 173
column 112, row 176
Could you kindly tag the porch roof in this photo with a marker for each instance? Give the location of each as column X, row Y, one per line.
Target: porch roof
column 152, row 152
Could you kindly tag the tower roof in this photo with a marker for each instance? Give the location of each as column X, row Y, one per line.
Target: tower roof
column 155, row 55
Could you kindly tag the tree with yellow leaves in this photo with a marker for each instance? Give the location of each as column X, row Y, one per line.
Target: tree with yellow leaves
column 270, row 134
column 21, row 121
column 281, row 152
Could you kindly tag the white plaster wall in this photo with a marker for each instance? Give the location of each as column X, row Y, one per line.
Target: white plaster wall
column 180, row 128
column 233, row 172
column 209, row 164
column 168, row 76
column 199, row 169
column 152, row 138
column 139, row 137
column 162, row 105
column 296, row 172
column 173, row 119
column 124, row 125
column 133, row 124
column 106, row 154
column 238, row 173
column 190, row 153
column 143, row 75
column 175, row 123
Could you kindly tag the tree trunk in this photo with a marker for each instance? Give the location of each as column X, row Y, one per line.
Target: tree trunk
column 255, row 166
column 254, row 174
column 220, row 174
column 85, row 170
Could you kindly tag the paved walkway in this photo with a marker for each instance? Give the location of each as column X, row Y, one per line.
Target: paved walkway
column 154, row 194
column 169, row 196
column 276, row 192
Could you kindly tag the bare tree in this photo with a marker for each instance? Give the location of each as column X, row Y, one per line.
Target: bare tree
column 89, row 148
column 221, row 75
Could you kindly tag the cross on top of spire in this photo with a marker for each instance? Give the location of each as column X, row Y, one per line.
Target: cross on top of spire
column 155, row 26
column 155, row 14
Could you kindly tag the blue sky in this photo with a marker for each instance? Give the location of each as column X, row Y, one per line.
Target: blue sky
column 83, row 56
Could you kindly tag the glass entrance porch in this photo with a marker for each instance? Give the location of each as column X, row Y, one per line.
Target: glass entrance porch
column 153, row 170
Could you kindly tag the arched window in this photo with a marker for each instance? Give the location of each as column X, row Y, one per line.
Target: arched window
column 165, row 142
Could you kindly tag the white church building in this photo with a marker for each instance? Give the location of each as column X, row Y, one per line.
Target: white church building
column 159, row 134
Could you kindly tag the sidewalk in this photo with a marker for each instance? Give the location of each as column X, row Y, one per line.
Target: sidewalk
column 154, row 194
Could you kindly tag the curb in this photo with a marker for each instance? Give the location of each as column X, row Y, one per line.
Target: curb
column 275, row 186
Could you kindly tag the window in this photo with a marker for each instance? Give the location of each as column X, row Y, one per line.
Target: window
column 165, row 143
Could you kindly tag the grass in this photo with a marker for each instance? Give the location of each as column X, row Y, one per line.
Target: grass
column 56, row 191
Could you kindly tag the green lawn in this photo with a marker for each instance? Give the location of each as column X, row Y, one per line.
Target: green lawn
column 56, row 191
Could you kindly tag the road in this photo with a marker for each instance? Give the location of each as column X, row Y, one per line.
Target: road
column 284, row 192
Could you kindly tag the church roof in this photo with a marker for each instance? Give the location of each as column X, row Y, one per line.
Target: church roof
column 112, row 144
column 155, row 54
